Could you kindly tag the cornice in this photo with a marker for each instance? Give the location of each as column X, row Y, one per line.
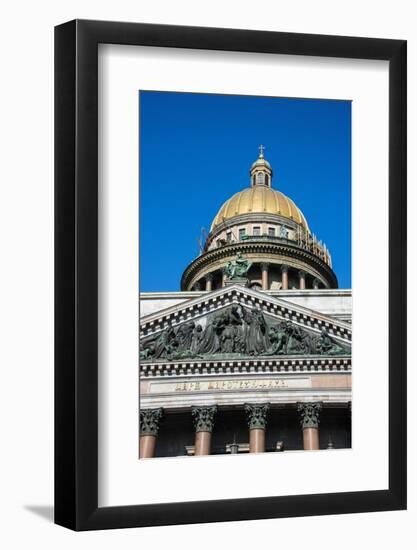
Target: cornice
column 313, row 292
column 249, row 366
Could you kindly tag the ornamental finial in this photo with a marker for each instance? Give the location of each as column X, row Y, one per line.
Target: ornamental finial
column 261, row 151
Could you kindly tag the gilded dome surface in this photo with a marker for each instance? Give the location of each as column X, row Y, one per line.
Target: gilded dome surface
column 263, row 200
column 261, row 162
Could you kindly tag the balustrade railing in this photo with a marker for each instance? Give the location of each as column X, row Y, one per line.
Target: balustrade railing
column 304, row 240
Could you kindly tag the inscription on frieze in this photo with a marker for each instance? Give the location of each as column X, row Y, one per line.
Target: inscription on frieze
column 229, row 385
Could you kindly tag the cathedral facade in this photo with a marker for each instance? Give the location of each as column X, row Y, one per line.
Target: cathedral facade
column 254, row 353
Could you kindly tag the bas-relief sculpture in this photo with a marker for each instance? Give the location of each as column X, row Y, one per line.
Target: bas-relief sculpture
column 235, row 332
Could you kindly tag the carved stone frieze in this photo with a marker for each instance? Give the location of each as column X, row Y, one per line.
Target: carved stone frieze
column 237, row 331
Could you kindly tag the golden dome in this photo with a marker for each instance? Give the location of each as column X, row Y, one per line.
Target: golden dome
column 263, row 200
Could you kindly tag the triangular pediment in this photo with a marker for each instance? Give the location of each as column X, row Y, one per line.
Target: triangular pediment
column 240, row 321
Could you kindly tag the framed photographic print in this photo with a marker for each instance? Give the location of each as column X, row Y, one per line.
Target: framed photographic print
column 230, row 275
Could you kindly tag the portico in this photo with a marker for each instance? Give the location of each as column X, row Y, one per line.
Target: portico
column 217, row 401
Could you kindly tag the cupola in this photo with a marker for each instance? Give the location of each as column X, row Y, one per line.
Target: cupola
column 261, row 171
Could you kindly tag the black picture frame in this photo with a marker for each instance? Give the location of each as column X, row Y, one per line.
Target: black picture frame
column 76, row 272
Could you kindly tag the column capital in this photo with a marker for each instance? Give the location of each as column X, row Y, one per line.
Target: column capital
column 257, row 415
column 309, row 414
column 209, row 277
column 302, row 273
column 204, row 418
column 284, row 269
column 316, row 283
column 264, row 265
column 149, row 421
column 197, row 286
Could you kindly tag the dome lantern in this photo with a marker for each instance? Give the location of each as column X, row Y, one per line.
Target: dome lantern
column 261, row 171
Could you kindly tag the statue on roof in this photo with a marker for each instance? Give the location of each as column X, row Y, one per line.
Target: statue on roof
column 239, row 268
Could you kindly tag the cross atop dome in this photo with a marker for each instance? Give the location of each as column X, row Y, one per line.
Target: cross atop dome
column 261, row 171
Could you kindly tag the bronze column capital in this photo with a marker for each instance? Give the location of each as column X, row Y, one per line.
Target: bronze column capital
column 257, row 415
column 309, row 414
column 149, row 421
column 204, row 418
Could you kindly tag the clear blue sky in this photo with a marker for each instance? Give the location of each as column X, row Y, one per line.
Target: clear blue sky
column 196, row 151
